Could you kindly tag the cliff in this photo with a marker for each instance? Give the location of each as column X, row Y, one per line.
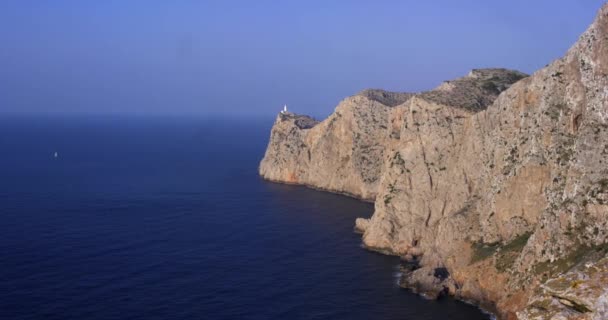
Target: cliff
column 492, row 187
column 346, row 152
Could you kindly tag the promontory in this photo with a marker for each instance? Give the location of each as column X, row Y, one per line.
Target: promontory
column 492, row 187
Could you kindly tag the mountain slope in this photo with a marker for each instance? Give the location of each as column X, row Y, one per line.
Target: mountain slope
column 492, row 187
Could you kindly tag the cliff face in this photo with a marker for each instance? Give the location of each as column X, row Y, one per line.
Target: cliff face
column 342, row 154
column 492, row 187
column 346, row 152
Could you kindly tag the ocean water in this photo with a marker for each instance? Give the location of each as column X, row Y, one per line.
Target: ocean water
column 166, row 218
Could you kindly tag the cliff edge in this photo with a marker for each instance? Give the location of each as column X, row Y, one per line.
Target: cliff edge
column 492, row 187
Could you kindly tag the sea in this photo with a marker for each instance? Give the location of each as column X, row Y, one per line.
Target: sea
column 165, row 217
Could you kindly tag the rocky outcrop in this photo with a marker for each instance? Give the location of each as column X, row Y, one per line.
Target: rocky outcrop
column 343, row 153
column 492, row 187
column 346, row 152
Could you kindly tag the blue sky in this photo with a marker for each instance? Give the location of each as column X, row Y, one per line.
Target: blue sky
column 251, row 57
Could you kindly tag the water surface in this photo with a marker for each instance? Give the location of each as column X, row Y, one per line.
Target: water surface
column 166, row 218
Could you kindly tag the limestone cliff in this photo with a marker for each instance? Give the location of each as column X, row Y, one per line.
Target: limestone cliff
column 492, row 187
column 346, row 152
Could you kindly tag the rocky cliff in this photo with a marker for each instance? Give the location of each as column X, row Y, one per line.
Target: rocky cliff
column 492, row 187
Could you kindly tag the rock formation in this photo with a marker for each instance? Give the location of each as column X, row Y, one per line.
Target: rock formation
column 492, row 187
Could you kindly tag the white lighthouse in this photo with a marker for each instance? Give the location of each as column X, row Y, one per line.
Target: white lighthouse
column 284, row 109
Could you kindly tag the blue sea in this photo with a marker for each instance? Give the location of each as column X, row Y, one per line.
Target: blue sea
column 166, row 218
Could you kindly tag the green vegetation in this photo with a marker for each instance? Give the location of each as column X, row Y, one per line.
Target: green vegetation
column 579, row 307
column 482, row 251
column 509, row 252
column 543, row 304
column 387, row 199
column 506, row 254
column 490, row 86
column 391, row 191
column 398, row 161
column 565, row 154
column 555, row 110
column 518, row 243
column 576, row 255
column 599, row 188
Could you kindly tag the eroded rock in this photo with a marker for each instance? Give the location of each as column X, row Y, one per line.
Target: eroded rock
column 498, row 179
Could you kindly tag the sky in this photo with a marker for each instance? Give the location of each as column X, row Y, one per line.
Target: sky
column 250, row 57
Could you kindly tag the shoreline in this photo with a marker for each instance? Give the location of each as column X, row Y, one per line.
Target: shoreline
column 488, row 310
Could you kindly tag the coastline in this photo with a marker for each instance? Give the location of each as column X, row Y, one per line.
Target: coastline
column 492, row 185
column 489, row 310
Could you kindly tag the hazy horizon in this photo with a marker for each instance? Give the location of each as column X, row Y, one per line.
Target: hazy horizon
column 250, row 58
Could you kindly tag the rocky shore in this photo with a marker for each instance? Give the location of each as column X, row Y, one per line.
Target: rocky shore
column 492, row 187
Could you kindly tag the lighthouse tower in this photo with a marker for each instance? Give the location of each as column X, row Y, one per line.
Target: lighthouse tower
column 284, row 109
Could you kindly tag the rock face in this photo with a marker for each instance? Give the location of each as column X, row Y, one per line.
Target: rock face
column 346, row 152
column 492, row 187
